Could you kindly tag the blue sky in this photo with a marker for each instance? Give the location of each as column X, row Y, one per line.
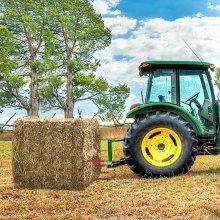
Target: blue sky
column 167, row 9
column 151, row 29
column 144, row 30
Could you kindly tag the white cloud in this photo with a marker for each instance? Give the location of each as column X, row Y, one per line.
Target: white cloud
column 132, row 97
column 160, row 39
column 198, row 15
column 104, row 7
column 213, row 7
column 120, row 25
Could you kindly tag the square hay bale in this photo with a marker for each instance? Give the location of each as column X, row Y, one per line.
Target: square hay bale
column 53, row 153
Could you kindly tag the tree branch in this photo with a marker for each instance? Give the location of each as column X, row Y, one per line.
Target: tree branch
column 29, row 39
column 16, row 95
column 90, row 97
column 61, row 102
column 41, row 38
column 20, row 99
column 16, row 106
column 66, row 39
column 74, row 43
column 52, row 105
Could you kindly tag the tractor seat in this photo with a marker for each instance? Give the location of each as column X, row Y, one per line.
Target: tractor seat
column 161, row 98
column 206, row 111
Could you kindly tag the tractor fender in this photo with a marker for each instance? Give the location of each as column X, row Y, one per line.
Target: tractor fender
column 141, row 109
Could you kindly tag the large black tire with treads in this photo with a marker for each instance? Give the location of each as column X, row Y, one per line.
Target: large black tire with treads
column 176, row 142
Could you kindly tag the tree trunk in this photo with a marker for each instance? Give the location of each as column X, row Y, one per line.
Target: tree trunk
column 30, row 113
column 68, row 113
column 69, row 95
column 34, row 100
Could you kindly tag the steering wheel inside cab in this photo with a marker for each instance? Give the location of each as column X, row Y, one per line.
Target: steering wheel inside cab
column 194, row 100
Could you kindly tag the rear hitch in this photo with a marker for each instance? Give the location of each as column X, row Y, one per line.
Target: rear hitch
column 110, row 163
column 117, row 163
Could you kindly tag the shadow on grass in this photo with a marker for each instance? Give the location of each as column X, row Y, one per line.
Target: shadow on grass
column 211, row 170
column 124, row 175
column 113, row 174
column 119, row 177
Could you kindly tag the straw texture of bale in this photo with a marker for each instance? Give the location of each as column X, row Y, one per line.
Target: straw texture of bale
column 53, row 153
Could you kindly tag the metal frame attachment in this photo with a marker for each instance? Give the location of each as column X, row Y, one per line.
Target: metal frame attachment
column 110, row 163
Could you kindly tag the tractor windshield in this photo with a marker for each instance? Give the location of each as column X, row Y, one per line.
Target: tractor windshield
column 185, row 87
column 162, row 86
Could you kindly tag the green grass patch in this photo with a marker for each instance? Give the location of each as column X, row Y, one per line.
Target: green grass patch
column 117, row 150
column 5, row 147
column 217, row 184
column 214, row 169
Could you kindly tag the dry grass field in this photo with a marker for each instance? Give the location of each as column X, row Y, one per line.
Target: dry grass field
column 113, row 132
column 6, row 136
column 117, row 194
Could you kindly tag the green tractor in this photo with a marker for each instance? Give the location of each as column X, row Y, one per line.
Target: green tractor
column 178, row 120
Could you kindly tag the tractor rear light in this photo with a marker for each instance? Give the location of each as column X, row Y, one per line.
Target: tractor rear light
column 133, row 106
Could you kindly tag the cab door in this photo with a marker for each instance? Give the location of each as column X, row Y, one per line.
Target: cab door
column 196, row 97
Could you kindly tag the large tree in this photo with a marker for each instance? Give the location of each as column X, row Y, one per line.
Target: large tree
column 23, row 23
column 80, row 33
column 48, row 49
column 109, row 99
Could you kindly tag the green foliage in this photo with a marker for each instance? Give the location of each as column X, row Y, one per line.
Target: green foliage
column 88, row 86
column 23, row 22
column 6, row 65
column 7, row 48
column 217, row 80
column 112, row 104
column 110, row 100
column 51, row 86
column 47, row 55
column 79, row 33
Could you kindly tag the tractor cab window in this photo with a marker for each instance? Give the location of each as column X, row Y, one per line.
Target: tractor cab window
column 162, row 86
column 195, row 97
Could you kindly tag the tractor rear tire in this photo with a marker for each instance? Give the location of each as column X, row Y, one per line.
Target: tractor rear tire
column 160, row 144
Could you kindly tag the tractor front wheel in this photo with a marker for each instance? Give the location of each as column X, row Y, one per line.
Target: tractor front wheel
column 160, row 144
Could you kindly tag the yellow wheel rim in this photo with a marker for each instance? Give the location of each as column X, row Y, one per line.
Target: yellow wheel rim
column 161, row 147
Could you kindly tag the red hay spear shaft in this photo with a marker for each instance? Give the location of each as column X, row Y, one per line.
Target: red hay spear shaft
column 96, row 161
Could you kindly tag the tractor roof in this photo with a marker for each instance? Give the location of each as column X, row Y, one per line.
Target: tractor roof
column 147, row 66
column 181, row 63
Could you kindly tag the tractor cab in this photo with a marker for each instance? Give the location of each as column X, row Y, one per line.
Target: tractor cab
column 186, row 84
